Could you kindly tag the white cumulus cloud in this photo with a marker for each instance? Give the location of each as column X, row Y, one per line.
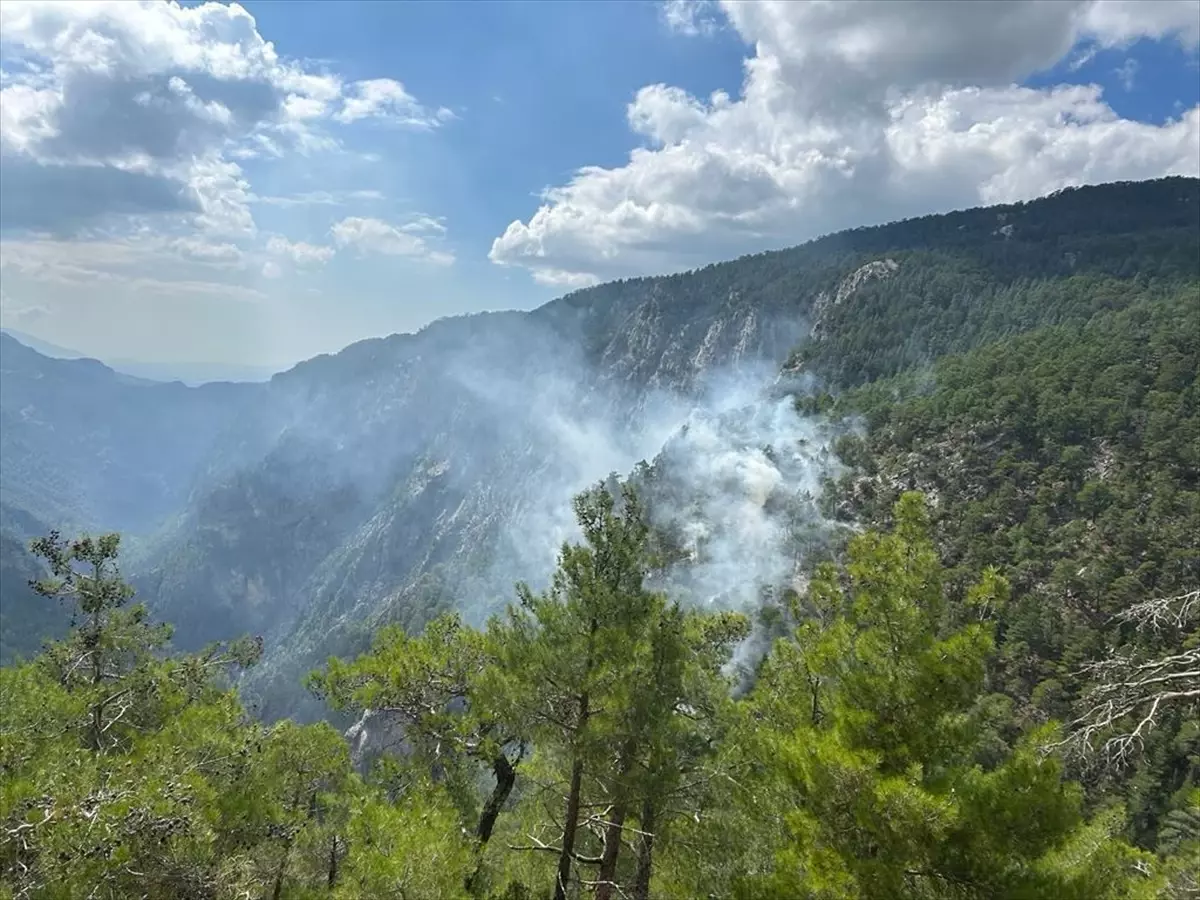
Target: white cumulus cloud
column 1119, row 22
column 367, row 235
column 690, row 17
column 384, row 98
column 198, row 249
column 112, row 108
column 853, row 113
column 299, row 252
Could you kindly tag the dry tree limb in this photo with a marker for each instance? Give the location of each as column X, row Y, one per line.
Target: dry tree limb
column 1161, row 613
column 1128, row 694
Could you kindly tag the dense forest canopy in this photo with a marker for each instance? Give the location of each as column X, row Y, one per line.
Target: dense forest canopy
column 978, row 680
column 587, row 741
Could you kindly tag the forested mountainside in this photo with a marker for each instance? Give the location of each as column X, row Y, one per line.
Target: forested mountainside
column 517, row 412
column 764, row 667
column 417, row 473
column 1067, row 458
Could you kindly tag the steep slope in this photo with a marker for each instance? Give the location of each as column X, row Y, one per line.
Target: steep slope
column 1032, row 370
column 85, row 448
column 26, row 619
column 1068, row 458
column 416, row 472
column 410, row 469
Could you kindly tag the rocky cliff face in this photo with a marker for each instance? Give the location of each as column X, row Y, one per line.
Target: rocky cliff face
column 427, row 471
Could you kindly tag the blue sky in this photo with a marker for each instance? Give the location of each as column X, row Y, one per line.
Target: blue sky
column 276, row 180
column 539, row 89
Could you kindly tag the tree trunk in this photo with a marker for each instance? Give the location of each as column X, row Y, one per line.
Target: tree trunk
column 333, row 862
column 506, row 775
column 607, row 879
column 570, row 825
column 277, row 892
column 606, row 882
column 641, row 881
column 96, row 734
column 571, row 819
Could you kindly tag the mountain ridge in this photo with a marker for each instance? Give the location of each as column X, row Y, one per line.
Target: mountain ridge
column 192, row 374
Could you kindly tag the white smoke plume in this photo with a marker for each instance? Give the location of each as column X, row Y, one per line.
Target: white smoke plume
column 559, row 431
column 739, row 489
column 736, row 476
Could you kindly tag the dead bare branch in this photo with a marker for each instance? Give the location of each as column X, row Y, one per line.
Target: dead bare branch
column 1162, row 612
column 1128, row 694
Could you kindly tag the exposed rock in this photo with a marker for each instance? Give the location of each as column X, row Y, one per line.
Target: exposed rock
column 872, row 271
column 847, row 287
column 1103, row 462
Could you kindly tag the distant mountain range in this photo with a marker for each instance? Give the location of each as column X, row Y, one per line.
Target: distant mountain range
column 421, row 472
column 190, row 373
